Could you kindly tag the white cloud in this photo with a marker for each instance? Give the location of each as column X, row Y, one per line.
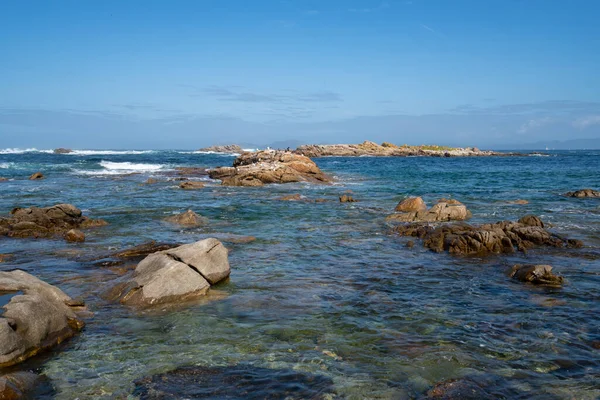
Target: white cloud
column 533, row 124
column 585, row 122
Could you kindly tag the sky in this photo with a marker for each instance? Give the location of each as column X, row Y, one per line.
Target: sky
column 187, row 74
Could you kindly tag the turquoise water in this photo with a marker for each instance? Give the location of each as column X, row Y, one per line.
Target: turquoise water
column 325, row 289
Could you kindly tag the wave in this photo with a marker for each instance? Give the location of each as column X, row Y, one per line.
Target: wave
column 21, row 151
column 106, row 152
column 5, row 165
column 120, row 168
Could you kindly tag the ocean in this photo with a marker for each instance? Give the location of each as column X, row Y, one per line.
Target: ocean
column 326, row 289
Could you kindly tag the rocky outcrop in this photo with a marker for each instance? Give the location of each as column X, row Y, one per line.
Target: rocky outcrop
column 535, row 274
column 36, row 176
column 191, row 185
column 583, row 193
column 62, row 150
column 415, row 210
column 188, row 218
column 269, row 166
column 386, row 149
column 497, row 238
column 227, row 149
column 191, row 171
column 175, row 275
column 45, row 222
column 37, row 317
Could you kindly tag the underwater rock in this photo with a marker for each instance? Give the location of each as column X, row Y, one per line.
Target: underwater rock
column 234, row 382
column 290, row 197
column 75, row 235
column 269, row 166
column 444, row 210
column 36, row 176
column 188, row 218
column 535, row 274
column 583, row 193
column 458, row 389
column 37, row 317
column 227, row 149
column 179, row 274
column 497, row 238
column 45, row 222
column 191, row 185
column 23, row 385
column 151, row 181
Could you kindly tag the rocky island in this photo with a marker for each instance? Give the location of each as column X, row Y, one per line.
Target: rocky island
column 227, row 149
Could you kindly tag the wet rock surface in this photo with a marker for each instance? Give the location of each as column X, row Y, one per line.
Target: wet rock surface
column 583, row 193
column 415, row 210
column 36, row 176
column 75, row 235
column 269, row 166
column 234, row 382
column 536, row 274
column 45, row 222
column 497, row 238
column 191, row 185
column 24, row 385
column 187, row 218
column 36, row 317
column 175, row 275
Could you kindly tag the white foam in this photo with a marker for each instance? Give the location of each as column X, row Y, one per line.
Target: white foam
column 121, row 168
column 106, row 152
column 6, row 165
column 21, row 151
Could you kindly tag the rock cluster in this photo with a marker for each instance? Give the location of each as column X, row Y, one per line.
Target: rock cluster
column 414, row 210
column 45, row 222
column 174, row 275
column 500, row 237
column 269, row 166
column 583, row 193
column 535, row 274
column 38, row 316
column 386, row 149
column 228, row 149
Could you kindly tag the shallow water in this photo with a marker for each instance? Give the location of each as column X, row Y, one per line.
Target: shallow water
column 325, row 289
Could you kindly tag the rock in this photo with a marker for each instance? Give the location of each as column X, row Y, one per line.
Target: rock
column 74, row 235
column 179, row 274
column 191, row 185
column 151, row 181
column 445, row 210
column 5, row 257
column 535, row 274
column 410, row 244
column 411, row 204
column 191, row 171
column 531, row 220
column 2, row 179
column 45, row 222
column 290, row 197
column 23, row 385
column 269, row 166
column 234, row 382
column 227, row 149
column 458, row 389
column 518, row 202
column 347, row 199
column 188, row 218
column 62, row 150
column 144, row 249
column 36, row 317
column 583, row 193
column 36, row 176
column 386, row 149
column 464, row 239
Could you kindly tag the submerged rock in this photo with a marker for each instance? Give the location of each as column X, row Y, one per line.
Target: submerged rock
column 175, row 275
column 583, row 193
column 535, row 274
column 45, row 222
column 347, row 199
column 269, row 166
column 234, row 382
column 191, row 185
column 497, row 238
column 444, row 210
column 24, row 385
column 290, row 197
column 36, row 176
column 37, row 317
column 458, row 389
column 151, row 181
column 75, row 235
column 228, row 149
column 3, row 179
column 188, row 218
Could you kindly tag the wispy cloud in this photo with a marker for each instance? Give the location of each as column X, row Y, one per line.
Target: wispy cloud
column 381, row 6
column 586, row 122
column 533, row 124
column 235, row 93
column 428, row 28
column 550, row 106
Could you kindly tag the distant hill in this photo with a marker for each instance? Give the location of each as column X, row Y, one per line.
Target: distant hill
column 574, row 144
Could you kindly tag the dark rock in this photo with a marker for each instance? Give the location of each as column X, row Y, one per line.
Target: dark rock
column 347, row 199
column 62, row 150
column 458, row 389
column 45, row 222
column 36, row 317
column 535, row 274
column 264, row 167
column 583, row 193
column 410, row 244
column 37, row 175
column 75, row 235
column 188, row 218
column 234, row 382
column 144, row 249
column 191, row 185
column 24, row 385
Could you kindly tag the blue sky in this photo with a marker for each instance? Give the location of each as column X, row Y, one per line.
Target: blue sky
column 184, row 74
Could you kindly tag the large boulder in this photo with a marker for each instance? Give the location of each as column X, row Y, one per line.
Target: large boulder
column 188, row 218
column 175, row 275
column 36, row 317
column 584, row 193
column 269, row 166
column 45, row 222
column 414, row 210
column 500, row 237
column 535, row 274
